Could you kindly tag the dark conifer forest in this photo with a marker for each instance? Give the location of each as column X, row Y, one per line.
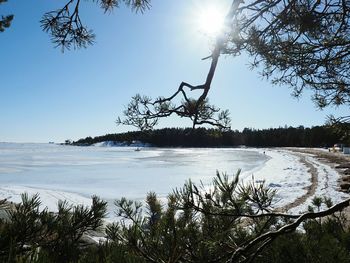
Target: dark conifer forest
column 318, row 136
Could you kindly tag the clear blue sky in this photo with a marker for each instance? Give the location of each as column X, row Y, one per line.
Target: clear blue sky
column 46, row 95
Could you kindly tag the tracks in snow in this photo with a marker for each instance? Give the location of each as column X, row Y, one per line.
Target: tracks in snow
column 311, row 189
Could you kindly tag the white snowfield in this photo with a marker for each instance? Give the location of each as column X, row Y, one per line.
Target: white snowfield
column 74, row 173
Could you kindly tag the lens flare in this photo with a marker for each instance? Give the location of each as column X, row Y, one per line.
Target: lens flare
column 210, row 20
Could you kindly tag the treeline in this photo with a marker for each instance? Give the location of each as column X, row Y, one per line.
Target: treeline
column 318, row 136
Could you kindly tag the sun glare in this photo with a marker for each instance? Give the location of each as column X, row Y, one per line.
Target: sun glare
column 210, row 21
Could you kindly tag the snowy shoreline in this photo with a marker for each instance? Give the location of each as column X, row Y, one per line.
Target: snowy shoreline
column 280, row 168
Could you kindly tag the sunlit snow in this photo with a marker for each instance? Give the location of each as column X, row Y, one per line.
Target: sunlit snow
column 76, row 173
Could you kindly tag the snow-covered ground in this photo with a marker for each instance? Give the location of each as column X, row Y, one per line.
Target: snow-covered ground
column 327, row 185
column 285, row 173
column 76, row 173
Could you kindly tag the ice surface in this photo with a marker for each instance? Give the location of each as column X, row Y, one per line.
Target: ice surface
column 76, row 173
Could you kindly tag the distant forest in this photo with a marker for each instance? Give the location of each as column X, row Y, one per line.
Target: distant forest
column 318, row 136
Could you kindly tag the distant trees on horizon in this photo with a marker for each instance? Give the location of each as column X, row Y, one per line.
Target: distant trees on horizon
column 303, row 45
column 318, row 136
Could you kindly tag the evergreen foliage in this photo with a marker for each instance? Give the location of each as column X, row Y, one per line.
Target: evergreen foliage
column 341, row 126
column 318, row 136
column 299, row 44
column 225, row 222
column 28, row 234
column 66, row 28
column 5, row 21
column 303, row 44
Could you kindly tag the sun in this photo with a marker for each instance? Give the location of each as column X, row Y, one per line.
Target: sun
column 210, row 20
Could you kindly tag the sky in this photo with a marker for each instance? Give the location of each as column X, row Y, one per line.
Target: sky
column 47, row 95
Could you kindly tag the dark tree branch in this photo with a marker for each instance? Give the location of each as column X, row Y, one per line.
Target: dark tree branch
column 5, row 21
column 302, row 44
column 286, row 229
column 67, row 29
column 198, row 110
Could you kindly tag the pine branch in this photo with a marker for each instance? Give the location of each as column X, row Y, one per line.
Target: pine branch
column 287, row 229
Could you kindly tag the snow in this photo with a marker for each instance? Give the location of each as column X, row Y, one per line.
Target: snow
column 74, row 173
column 121, row 144
column 327, row 185
column 283, row 172
column 48, row 197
